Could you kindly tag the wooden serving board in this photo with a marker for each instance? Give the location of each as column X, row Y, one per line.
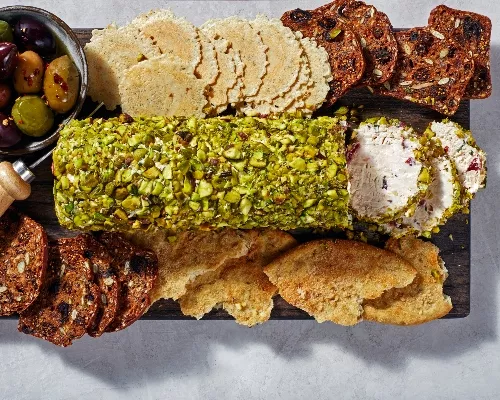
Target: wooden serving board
column 453, row 240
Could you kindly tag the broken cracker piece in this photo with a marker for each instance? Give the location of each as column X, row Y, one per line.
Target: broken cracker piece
column 240, row 286
column 423, row 300
column 330, row 279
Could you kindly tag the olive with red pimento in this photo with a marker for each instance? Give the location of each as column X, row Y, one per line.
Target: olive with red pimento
column 36, row 81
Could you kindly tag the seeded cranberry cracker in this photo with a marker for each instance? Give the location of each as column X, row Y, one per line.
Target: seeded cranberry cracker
column 375, row 33
column 344, row 50
column 432, row 70
column 105, row 278
column 136, row 270
column 68, row 301
column 473, row 32
column 23, row 261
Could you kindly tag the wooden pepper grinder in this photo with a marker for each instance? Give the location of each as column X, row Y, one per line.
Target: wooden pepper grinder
column 15, row 182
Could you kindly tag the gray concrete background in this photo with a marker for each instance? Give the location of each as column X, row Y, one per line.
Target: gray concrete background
column 449, row 359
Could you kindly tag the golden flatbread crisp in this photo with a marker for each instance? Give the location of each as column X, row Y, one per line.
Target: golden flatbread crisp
column 162, row 86
column 236, row 94
column 283, row 56
column 192, row 254
column 423, row 300
column 291, row 100
column 330, row 279
column 208, row 68
column 217, row 94
column 243, row 38
column 240, row 286
column 172, row 35
column 321, row 74
column 110, row 52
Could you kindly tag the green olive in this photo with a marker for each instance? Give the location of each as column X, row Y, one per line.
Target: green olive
column 28, row 75
column 6, row 32
column 61, row 84
column 32, row 116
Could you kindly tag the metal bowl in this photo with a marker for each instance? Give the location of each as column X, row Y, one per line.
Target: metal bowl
column 67, row 38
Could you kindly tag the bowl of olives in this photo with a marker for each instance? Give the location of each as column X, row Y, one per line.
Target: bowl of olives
column 43, row 78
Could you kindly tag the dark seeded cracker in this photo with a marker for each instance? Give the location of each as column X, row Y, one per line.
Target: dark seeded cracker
column 23, row 261
column 344, row 50
column 375, row 33
column 432, row 70
column 105, row 278
column 136, row 271
column 68, row 302
column 471, row 31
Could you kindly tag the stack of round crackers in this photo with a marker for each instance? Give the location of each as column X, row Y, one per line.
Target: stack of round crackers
column 160, row 64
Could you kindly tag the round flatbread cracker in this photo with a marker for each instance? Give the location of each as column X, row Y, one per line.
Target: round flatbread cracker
column 172, row 35
column 321, row 75
column 243, row 38
column 208, row 68
column 283, row 56
column 236, row 94
column 110, row 52
column 217, row 93
column 162, row 86
column 289, row 101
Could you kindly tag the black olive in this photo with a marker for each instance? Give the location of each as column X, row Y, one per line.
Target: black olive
column 382, row 55
column 226, row 174
column 472, row 28
column 138, row 264
column 422, row 74
column 90, row 297
column 327, row 23
column 63, row 309
column 299, row 15
column 451, row 52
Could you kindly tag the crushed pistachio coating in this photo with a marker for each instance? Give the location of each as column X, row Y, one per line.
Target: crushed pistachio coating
column 188, row 173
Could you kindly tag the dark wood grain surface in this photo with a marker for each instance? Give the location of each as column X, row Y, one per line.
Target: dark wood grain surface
column 453, row 240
